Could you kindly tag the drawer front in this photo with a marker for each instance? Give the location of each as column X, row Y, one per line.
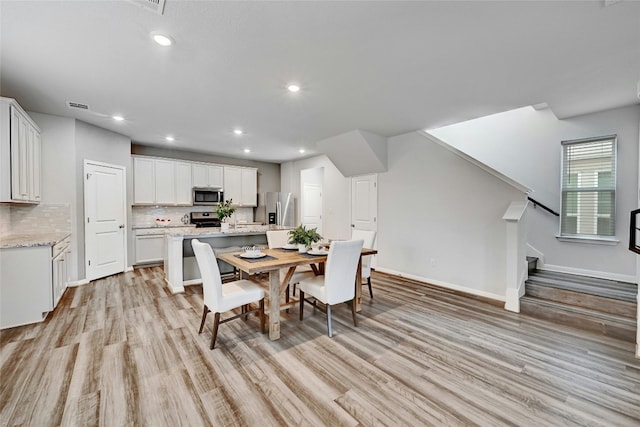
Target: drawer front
column 61, row 246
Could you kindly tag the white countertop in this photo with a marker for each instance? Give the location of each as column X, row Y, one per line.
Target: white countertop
column 31, row 240
column 215, row 231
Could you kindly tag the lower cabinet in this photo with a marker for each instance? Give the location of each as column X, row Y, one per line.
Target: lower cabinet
column 25, row 285
column 149, row 248
column 60, row 269
column 32, row 281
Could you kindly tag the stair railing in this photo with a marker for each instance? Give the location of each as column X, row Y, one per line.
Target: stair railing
column 634, row 232
column 546, row 208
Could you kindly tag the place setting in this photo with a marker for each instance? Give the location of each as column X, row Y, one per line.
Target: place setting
column 254, row 254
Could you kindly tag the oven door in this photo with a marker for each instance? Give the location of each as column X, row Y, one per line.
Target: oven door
column 207, row 196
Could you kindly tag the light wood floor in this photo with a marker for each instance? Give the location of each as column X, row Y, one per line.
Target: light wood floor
column 122, row 351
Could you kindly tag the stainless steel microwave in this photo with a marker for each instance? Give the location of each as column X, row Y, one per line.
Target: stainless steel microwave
column 207, row 196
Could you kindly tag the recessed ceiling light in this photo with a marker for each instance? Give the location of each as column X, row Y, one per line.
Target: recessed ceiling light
column 238, row 131
column 162, row 39
column 117, row 118
column 293, row 87
column 301, row 150
column 170, row 138
column 246, row 150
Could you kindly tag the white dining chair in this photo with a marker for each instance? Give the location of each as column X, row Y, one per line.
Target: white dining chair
column 369, row 238
column 277, row 239
column 220, row 298
column 338, row 284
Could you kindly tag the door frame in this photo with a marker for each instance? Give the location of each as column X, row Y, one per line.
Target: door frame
column 125, row 239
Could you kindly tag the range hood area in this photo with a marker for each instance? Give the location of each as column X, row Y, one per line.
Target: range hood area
column 368, row 148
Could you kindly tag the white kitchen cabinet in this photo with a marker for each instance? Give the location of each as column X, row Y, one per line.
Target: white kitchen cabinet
column 241, row 185
column 165, row 182
column 144, row 181
column 61, row 254
column 249, row 187
column 149, row 248
column 161, row 182
column 183, row 184
column 20, row 159
column 25, row 285
column 205, row 175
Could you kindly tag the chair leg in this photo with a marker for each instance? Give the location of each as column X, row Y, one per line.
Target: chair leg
column 287, row 298
column 216, row 322
column 245, row 309
column 294, row 289
column 262, row 316
column 329, row 320
column 353, row 312
column 369, row 283
column 301, row 304
column 204, row 317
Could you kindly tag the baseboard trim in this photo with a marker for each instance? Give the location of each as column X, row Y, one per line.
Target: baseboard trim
column 77, row 283
column 174, row 290
column 591, row 273
column 192, row 282
column 128, row 269
column 491, row 297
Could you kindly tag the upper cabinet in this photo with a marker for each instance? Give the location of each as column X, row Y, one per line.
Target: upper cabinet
column 241, row 185
column 20, row 158
column 161, row 182
column 205, row 175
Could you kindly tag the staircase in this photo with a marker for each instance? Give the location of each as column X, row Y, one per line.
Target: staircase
column 598, row 305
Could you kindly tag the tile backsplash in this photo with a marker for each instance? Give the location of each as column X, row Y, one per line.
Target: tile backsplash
column 33, row 219
column 145, row 216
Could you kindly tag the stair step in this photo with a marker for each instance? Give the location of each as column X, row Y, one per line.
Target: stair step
column 610, row 325
column 582, row 299
column 532, row 264
column 589, row 285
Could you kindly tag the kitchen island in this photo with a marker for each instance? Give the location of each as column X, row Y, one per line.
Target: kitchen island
column 180, row 267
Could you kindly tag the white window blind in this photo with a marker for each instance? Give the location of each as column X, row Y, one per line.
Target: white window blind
column 588, row 187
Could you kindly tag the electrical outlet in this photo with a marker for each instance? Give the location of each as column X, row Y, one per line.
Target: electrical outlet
column 433, row 262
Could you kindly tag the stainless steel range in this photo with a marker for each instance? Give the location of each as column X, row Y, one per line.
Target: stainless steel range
column 204, row 219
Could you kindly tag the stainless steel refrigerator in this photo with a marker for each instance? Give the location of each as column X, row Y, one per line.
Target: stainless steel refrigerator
column 276, row 208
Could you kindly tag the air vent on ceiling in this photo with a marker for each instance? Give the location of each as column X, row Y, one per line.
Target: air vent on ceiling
column 156, row 6
column 77, row 105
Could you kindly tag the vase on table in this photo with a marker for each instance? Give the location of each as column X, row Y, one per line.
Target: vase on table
column 302, row 248
column 224, row 227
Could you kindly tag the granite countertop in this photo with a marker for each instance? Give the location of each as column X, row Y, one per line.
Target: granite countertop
column 31, row 240
column 215, row 232
column 159, row 227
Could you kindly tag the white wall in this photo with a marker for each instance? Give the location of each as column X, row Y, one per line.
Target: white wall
column 336, row 194
column 434, row 205
column 524, row 144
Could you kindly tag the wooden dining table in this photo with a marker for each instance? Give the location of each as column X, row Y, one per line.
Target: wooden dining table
column 277, row 259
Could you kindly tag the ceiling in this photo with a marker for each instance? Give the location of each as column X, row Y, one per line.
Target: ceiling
column 386, row 67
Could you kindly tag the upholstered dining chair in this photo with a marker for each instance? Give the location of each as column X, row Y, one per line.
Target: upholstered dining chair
column 220, row 298
column 277, row 239
column 369, row 238
column 337, row 285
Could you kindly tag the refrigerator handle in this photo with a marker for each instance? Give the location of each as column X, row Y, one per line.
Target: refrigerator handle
column 278, row 213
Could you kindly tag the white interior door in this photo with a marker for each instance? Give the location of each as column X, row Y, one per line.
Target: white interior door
column 364, row 202
column 312, row 206
column 105, row 219
column 364, row 206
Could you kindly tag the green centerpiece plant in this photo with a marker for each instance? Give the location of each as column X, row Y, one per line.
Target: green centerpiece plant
column 304, row 237
column 224, row 211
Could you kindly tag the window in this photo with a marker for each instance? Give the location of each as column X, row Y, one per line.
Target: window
column 588, row 188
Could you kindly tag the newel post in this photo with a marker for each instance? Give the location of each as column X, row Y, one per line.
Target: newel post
column 516, row 245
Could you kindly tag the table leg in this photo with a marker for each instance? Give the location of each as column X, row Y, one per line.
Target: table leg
column 274, row 304
column 359, row 285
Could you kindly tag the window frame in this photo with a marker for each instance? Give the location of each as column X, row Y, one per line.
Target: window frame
column 566, row 213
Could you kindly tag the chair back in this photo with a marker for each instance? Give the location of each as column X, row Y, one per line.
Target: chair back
column 211, row 281
column 277, row 238
column 340, row 270
column 369, row 238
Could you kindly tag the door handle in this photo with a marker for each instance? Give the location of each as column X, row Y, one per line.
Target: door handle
column 121, row 226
